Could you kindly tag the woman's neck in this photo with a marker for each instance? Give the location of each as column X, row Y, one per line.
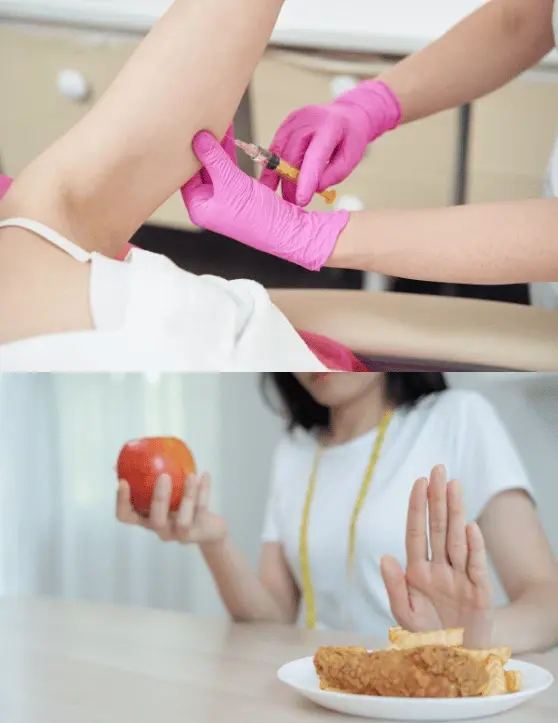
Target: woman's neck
column 356, row 417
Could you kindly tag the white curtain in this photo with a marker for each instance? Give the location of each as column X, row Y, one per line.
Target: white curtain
column 59, row 440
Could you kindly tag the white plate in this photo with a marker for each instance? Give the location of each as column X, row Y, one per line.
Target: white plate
column 301, row 675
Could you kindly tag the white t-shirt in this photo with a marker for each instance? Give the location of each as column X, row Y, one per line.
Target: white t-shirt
column 457, row 428
column 151, row 315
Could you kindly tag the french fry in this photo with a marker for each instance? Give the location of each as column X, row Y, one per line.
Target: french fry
column 394, row 633
column 513, row 680
column 452, row 638
column 496, row 677
column 504, row 654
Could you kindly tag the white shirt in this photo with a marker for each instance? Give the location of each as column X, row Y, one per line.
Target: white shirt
column 456, row 428
column 151, row 315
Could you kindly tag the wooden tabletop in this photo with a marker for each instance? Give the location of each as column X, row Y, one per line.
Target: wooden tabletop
column 66, row 662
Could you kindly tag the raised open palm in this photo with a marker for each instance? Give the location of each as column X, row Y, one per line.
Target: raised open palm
column 447, row 583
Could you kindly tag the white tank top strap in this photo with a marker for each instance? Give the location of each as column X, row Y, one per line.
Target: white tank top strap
column 49, row 235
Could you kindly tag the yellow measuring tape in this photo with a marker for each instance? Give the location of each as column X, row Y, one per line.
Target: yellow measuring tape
column 307, row 586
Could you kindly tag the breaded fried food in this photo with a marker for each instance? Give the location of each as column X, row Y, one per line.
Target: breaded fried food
column 431, row 671
column 504, row 654
column 497, row 681
column 513, row 680
column 400, row 638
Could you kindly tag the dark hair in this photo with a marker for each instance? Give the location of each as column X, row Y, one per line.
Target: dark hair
column 302, row 410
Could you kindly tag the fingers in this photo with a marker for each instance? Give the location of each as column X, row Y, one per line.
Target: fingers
column 190, row 187
column 456, row 546
column 438, row 514
column 192, row 529
column 203, row 177
column 397, row 590
column 416, row 540
column 320, row 151
column 213, row 157
column 187, row 510
column 294, row 153
column 159, row 520
column 477, row 560
column 270, row 178
column 199, row 188
column 206, row 148
column 204, row 491
column 180, row 526
column 187, row 525
column 345, row 159
column 124, row 511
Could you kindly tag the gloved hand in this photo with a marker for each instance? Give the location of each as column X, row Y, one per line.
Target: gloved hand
column 328, row 141
column 225, row 200
column 228, row 145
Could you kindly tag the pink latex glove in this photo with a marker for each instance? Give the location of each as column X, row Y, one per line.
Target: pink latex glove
column 225, row 200
column 328, row 141
column 227, row 144
column 5, row 183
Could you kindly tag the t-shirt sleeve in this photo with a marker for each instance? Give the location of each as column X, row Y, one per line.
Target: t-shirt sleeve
column 216, row 324
column 489, row 462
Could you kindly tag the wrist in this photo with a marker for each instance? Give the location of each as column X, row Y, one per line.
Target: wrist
column 214, row 548
column 322, row 230
column 349, row 251
column 379, row 103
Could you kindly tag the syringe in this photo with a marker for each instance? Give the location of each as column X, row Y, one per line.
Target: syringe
column 275, row 163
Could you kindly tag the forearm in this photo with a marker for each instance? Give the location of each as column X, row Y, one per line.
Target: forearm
column 133, row 150
column 498, row 243
column 244, row 595
column 480, row 54
column 530, row 623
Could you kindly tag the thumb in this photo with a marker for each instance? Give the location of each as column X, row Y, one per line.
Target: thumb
column 211, row 154
column 397, row 590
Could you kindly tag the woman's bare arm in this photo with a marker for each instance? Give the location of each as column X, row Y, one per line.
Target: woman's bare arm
column 132, row 151
column 492, row 243
column 528, row 571
column 483, row 52
column 269, row 596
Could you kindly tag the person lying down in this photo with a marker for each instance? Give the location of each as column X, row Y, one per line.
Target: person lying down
column 190, row 322
column 66, row 304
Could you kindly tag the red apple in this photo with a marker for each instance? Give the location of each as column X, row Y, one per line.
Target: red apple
column 142, row 461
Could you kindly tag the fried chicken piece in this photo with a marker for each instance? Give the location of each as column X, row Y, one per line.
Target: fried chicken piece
column 430, row 671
